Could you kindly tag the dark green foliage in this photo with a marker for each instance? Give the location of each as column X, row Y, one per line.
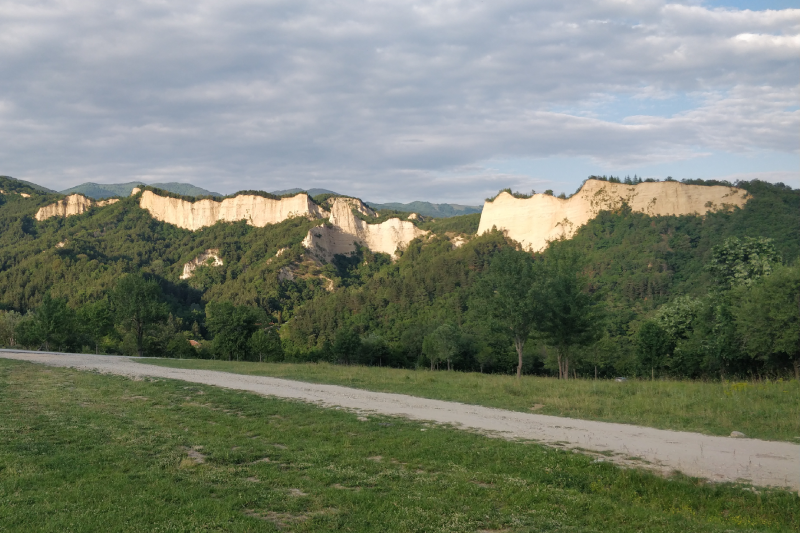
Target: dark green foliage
column 52, row 327
column 137, row 304
column 265, row 345
column 509, row 293
column 9, row 184
column 464, row 224
column 232, row 326
column 568, row 314
column 442, row 345
column 767, row 315
column 654, row 347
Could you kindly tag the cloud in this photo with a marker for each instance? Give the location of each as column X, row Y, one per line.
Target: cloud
column 377, row 97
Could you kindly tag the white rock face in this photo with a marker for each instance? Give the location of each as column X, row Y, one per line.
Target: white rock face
column 256, row 210
column 74, row 204
column 345, row 231
column 534, row 221
column 208, row 258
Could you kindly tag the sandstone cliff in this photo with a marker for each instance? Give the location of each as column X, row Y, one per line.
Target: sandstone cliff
column 256, row 210
column 536, row 220
column 209, row 257
column 345, row 231
column 74, row 204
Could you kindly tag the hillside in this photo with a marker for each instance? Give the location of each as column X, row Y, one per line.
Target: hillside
column 636, row 263
column 99, row 191
column 8, row 183
column 311, row 192
column 428, row 209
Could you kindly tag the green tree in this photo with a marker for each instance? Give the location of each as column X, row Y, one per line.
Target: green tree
column 508, row 290
column 742, row 262
column 232, row 326
column 137, row 306
column 8, row 327
column 95, row 321
column 442, row 345
column 266, row 345
column 654, row 346
column 346, row 346
column 52, row 325
column 179, row 346
column 569, row 315
column 374, row 350
column 678, row 317
column 767, row 316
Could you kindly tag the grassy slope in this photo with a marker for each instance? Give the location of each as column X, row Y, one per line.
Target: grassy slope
column 769, row 410
column 82, row 451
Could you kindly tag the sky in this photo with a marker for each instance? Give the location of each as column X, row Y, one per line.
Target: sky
column 389, row 100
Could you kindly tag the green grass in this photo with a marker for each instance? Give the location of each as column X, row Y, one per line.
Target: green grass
column 81, row 451
column 764, row 410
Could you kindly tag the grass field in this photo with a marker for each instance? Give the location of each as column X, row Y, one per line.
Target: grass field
column 80, row 451
column 764, row 410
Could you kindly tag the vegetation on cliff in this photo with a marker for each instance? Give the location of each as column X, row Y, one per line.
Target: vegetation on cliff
column 370, row 310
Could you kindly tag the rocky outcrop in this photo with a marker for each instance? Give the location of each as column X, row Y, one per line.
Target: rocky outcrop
column 256, row 210
column 208, row 258
column 74, row 204
column 345, row 231
column 536, row 220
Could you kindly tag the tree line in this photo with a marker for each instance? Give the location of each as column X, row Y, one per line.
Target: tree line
column 628, row 295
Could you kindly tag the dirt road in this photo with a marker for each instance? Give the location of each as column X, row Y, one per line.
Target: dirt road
column 762, row 463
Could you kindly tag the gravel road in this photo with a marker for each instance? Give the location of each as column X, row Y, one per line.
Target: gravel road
column 762, row 463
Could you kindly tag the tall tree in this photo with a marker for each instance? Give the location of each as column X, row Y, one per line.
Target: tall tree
column 442, row 345
column 137, row 305
column 232, row 326
column 52, row 326
column 569, row 315
column 96, row 320
column 654, row 347
column 508, row 290
column 266, row 344
column 767, row 317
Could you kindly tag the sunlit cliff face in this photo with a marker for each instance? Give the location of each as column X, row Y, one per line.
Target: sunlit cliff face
column 541, row 218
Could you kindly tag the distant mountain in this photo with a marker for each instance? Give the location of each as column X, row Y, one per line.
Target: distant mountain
column 311, row 192
column 12, row 184
column 430, row 210
column 106, row 190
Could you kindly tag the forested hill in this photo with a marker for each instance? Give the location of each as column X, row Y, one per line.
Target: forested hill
column 642, row 275
column 99, row 191
column 428, row 209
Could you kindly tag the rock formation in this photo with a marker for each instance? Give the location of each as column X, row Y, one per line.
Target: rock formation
column 345, row 231
column 536, row 220
column 74, row 204
column 256, row 210
column 208, row 258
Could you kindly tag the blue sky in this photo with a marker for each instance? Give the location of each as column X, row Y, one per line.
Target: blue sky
column 398, row 100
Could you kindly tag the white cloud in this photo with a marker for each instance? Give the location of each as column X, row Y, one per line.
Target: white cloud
column 377, row 97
